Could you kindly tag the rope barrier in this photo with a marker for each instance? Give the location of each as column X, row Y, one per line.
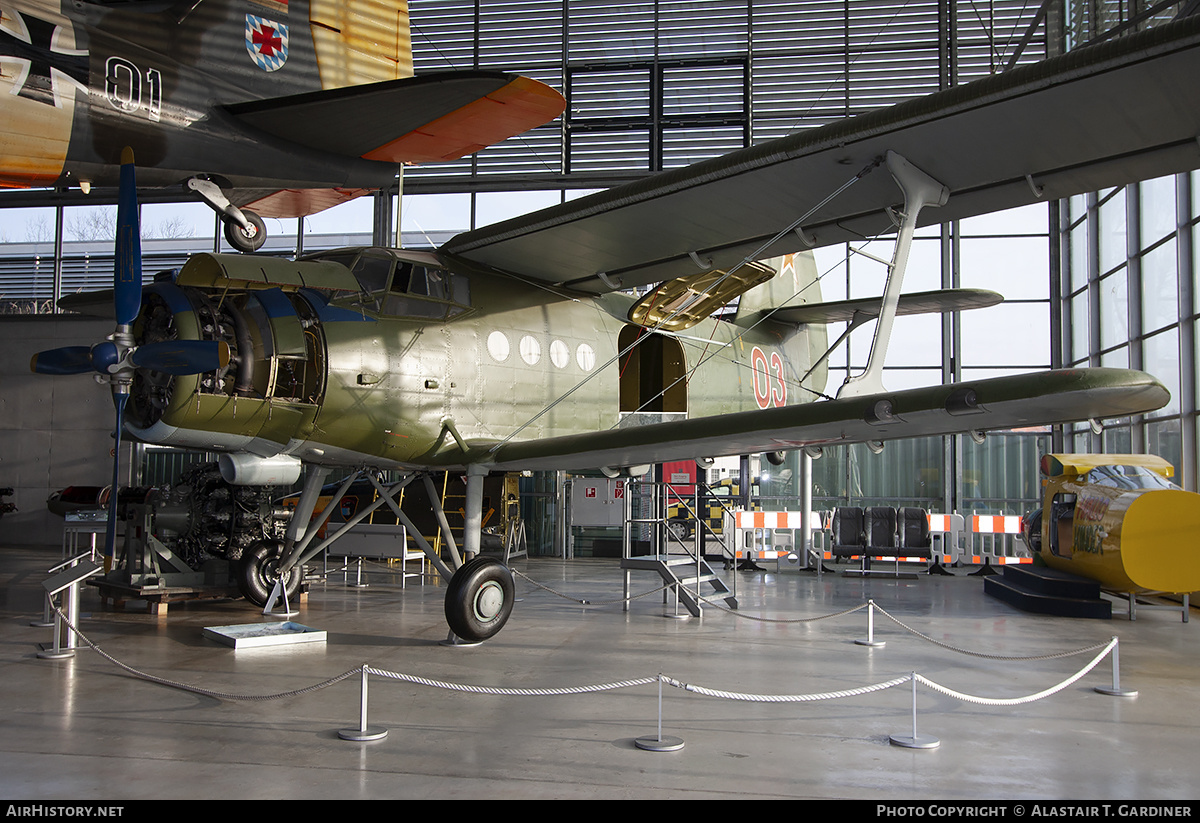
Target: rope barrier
column 546, row 588
column 1104, row 648
column 947, row 646
column 1016, row 701
column 496, row 690
column 831, row 615
column 174, row 684
column 758, row 619
column 787, row 698
column 922, row 741
column 715, row 605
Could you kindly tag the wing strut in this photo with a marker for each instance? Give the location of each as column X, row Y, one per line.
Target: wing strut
column 919, row 190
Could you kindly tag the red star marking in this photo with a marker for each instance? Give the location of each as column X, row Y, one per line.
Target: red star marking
column 267, row 41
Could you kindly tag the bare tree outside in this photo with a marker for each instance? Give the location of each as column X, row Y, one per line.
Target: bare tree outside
column 100, row 224
column 92, row 224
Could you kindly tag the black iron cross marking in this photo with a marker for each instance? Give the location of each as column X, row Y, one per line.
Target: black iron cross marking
column 37, row 49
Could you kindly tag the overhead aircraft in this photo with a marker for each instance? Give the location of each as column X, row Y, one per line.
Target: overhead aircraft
column 517, row 346
column 259, row 108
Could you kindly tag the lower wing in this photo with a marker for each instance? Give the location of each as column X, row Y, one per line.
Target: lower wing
column 999, row 403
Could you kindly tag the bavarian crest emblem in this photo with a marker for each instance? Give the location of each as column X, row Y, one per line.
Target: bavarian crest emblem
column 267, row 42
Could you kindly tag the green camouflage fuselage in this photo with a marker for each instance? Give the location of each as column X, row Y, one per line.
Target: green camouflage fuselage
column 390, row 358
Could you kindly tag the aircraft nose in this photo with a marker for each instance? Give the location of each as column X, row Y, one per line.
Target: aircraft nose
column 1158, row 541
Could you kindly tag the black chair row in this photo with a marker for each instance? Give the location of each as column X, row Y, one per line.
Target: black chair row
column 880, row 530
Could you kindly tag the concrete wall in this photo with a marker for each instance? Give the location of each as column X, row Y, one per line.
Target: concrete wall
column 54, row 431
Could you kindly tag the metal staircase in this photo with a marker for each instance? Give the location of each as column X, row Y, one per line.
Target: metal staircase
column 689, row 589
column 685, row 572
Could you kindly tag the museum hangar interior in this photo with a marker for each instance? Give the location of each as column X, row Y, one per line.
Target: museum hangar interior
column 1100, row 279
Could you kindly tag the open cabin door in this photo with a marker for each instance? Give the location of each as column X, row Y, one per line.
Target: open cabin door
column 653, row 378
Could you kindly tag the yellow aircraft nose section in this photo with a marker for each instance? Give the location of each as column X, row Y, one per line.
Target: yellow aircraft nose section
column 1159, row 541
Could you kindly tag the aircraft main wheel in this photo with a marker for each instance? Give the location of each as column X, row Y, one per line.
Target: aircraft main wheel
column 258, row 570
column 479, row 599
column 246, row 240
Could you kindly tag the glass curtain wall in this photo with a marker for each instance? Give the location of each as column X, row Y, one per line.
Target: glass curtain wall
column 1128, row 284
column 1128, row 280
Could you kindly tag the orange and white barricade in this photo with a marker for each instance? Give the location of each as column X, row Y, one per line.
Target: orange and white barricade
column 945, row 532
column 770, row 535
column 993, row 541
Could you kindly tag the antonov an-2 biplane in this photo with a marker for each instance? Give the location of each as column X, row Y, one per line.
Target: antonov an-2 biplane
column 516, row 346
column 260, row 108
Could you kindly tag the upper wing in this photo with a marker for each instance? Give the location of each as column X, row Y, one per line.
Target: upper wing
column 414, row 120
column 1121, row 111
column 998, row 403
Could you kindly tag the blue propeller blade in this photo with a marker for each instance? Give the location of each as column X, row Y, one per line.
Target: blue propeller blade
column 110, row 537
column 182, row 356
column 127, row 282
column 67, row 360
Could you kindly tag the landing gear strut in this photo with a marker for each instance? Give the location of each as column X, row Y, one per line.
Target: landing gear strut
column 479, row 595
column 244, row 230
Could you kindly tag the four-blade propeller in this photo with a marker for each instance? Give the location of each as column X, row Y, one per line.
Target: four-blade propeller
column 117, row 358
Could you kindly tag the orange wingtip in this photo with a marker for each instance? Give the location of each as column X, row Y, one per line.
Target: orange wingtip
column 513, row 109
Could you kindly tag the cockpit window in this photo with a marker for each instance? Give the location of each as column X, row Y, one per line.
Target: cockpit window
column 424, row 291
column 372, row 272
column 1128, row 477
column 403, row 288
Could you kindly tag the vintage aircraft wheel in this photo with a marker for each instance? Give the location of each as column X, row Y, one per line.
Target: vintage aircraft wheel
column 258, row 570
column 246, row 240
column 479, row 599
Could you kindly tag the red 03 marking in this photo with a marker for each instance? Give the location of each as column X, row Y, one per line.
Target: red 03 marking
column 769, row 388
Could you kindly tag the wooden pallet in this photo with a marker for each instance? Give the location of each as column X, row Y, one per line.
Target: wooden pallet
column 159, row 598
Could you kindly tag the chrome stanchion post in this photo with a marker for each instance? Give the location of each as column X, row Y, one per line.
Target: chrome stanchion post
column 358, row 576
column 1116, row 689
column 363, row 732
column 916, row 741
column 659, row 743
column 870, row 639
column 70, row 575
column 56, row 651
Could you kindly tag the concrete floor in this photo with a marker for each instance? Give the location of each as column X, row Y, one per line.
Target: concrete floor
column 83, row 729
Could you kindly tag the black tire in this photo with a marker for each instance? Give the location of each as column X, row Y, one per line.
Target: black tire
column 246, row 241
column 258, row 569
column 479, row 599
